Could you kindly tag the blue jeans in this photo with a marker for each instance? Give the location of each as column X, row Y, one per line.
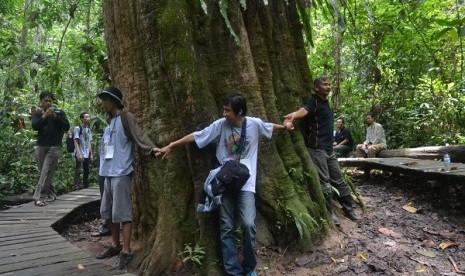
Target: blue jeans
column 245, row 204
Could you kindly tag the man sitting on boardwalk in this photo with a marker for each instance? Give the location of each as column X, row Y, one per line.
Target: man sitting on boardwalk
column 343, row 142
column 375, row 139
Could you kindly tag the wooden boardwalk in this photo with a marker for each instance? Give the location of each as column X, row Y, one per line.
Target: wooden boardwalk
column 429, row 169
column 29, row 245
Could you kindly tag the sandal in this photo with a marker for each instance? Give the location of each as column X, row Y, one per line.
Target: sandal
column 40, row 203
column 50, row 198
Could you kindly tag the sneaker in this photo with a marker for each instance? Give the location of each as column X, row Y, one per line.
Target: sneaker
column 124, row 260
column 110, row 252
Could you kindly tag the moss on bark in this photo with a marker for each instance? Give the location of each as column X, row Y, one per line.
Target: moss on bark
column 174, row 64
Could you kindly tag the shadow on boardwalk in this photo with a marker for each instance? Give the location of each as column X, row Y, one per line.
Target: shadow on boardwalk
column 29, row 244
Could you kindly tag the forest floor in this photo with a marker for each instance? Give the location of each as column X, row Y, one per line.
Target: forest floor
column 407, row 229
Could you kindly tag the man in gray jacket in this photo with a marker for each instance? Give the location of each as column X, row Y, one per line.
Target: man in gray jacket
column 375, row 139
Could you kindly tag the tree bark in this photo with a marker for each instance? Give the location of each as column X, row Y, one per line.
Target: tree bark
column 457, row 153
column 174, row 64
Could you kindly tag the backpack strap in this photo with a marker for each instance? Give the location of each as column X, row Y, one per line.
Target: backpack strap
column 242, row 139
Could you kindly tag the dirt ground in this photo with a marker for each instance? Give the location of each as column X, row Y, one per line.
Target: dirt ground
column 409, row 228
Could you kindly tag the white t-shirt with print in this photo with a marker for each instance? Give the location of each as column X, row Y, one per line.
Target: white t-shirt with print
column 85, row 137
column 226, row 137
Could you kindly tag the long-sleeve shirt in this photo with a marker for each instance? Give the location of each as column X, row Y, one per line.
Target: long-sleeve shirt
column 50, row 130
column 375, row 135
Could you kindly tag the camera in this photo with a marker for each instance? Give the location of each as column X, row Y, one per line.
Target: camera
column 56, row 111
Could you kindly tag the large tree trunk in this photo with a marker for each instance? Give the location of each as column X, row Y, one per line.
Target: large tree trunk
column 174, row 64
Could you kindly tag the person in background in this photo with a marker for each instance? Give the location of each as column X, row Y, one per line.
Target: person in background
column 319, row 142
column 82, row 152
column 118, row 169
column 375, row 139
column 50, row 123
column 343, row 142
column 226, row 132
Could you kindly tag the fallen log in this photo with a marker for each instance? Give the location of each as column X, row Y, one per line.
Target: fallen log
column 457, row 153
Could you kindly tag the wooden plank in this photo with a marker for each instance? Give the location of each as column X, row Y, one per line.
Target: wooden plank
column 26, row 223
column 85, row 198
column 457, row 153
column 92, row 267
column 50, row 212
column 42, row 254
column 52, row 259
column 26, row 242
column 425, row 168
column 88, row 191
column 27, row 216
column 29, row 245
column 18, row 235
column 89, row 269
column 9, row 228
column 24, row 231
column 14, row 252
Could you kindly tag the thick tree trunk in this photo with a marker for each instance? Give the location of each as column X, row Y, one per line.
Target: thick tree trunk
column 457, row 153
column 174, row 64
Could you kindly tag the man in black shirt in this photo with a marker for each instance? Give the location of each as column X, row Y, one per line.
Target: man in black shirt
column 319, row 140
column 343, row 142
column 50, row 124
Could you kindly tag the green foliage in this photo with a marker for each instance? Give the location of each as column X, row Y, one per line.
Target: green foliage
column 18, row 169
column 301, row 221
column 193, row 254
column 30, row 38
column 404, row 61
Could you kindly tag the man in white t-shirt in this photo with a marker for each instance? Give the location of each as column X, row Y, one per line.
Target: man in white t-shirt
column 226, row 132
column 82, row 151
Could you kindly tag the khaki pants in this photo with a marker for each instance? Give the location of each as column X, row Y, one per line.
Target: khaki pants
column 372, row 150
column 47, row 161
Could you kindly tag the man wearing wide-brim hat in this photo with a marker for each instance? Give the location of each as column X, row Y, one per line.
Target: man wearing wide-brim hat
column 117, row 168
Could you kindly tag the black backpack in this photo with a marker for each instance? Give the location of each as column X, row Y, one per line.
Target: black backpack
column 231, row 177
column 70, row 140
column 233, row 174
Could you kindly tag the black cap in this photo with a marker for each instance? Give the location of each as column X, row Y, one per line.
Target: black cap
column 115, row 94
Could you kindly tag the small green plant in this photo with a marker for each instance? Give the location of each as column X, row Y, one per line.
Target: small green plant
column 301, row 221
column 193, row 254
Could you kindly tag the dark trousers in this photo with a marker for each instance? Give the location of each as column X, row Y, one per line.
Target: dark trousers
column 81, row 167
column 329, row 172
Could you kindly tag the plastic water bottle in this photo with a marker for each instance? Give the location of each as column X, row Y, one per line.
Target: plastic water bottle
column 447, row 162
